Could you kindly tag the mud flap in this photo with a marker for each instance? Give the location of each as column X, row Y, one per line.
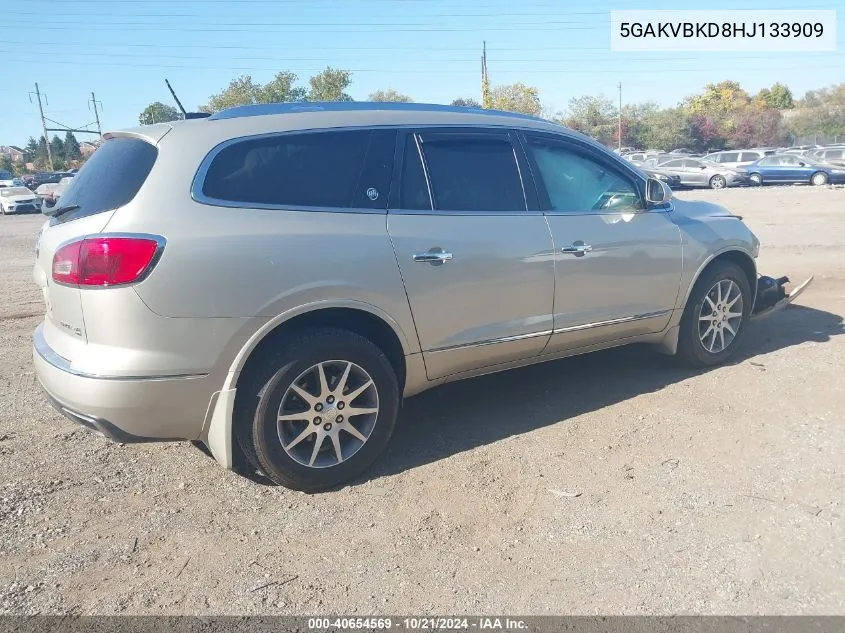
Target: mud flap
column 772, row 296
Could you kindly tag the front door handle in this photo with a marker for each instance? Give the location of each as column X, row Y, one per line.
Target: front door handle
column 579, row 249
column 433, row 256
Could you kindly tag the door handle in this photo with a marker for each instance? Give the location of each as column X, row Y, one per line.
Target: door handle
column 433, row 256
column 579, row 249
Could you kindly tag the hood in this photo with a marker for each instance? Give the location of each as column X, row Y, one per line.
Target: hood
column 701, row 210
column 19, row 198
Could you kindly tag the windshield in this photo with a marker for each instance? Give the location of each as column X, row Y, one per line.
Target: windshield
column 8, row 192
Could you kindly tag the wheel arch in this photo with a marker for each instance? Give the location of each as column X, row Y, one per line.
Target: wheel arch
column 735, row 256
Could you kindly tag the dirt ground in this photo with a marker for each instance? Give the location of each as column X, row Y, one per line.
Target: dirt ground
column 700, row 492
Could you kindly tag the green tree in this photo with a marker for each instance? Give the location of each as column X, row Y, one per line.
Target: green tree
column 594, row 116
column 516, row 98
column 240, row 91
column 330, row 85
column 778, row 97
column 158, row 112
column 389, row 95
column 57, row 147
column 72, row 151
column 31, row 147
column 281, row 89
column 40, row 155
column 467, row 102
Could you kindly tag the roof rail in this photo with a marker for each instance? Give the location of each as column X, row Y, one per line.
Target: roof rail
column 353, row 106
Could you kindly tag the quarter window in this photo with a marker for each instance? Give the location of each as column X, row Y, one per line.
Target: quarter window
column 473, row 172
column 577, row 183
column 322, row 169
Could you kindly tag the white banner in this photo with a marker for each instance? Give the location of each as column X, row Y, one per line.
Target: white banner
column 723, row 30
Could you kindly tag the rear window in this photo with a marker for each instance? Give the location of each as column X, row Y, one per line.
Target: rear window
column 110, row 179
column 337, row 169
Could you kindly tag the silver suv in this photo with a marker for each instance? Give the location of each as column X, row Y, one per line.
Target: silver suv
column 273, row 280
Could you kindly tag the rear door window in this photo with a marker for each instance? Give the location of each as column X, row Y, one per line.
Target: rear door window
column 730, row 157
column 110, row 179
column 749, row 157
column 475, row 172
column 333, row 169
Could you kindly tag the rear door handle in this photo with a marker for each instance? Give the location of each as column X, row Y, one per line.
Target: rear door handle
column 579, row 249
column 433, row 256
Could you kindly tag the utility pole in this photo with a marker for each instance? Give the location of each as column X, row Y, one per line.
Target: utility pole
column 485, row 81
column 43, row 124
column 620, row 115
column 97, row 114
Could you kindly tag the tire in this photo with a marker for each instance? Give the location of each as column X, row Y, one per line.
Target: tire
column 273, row 389
column 694, row 340
column 718, row 182
column 818, row 179
column 756, row 179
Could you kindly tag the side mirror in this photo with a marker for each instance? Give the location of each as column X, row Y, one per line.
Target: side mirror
column 800, row 164
column 657, row 192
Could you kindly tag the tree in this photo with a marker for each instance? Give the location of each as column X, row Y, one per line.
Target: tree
column 31, row 146
column 158, row 112
column 516, row 98
column 330, row 85
column 57, row 147
column 389, row 95
column 240, row 91
column 594, row 116
column 72, row 151
column 778, row 97
column 281, row 89
column 467, row 102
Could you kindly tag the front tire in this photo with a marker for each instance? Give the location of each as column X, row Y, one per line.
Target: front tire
column 715, row 317
column 819, row 178
column 319, row 411
column 756, row 179
column 718, row 182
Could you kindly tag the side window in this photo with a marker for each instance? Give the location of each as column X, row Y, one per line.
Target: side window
column 747, row 157
column 413, row 189
column 730, row 157
column 833, row 153
column 769, row 161
column 320, row 169
column 789, row 160
column 692, row 164
column 473, row 172
column 673, row 163
column 577, row 183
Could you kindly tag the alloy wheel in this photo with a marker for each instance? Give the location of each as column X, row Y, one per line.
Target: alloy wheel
column 721, row 316
column 327, row 413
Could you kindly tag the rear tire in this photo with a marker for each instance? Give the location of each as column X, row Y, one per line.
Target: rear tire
column 318, row 444
column 710, row 336
column 718, row 182
column 819, row 178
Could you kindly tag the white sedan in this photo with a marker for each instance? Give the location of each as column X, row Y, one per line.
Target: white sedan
column 18, row 200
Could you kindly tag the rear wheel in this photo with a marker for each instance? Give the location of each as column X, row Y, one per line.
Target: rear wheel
column 718, row 182
column 318, row 412
column 715, row 316
column 819, row 178
column 756, row 179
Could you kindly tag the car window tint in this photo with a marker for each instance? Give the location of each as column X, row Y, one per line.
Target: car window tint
column 473, row 173
column 577, row 183
column 109, row 179
column 833, row 153
column 673, row 163
column 321, row 169
column 789, row 160
column 730, row 157
column 413, row 189
column 746, row 157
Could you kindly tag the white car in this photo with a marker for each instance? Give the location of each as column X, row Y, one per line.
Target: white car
column 736, row 158
column 18, row 200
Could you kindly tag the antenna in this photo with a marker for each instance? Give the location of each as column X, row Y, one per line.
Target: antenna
column 179, row 103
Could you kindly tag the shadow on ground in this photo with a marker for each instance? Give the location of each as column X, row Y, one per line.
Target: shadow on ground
column 463, row 415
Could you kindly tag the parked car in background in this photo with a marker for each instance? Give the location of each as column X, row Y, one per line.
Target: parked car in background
column 789, row 168
column 832, row 155
column 18, row 200
column 6, row 179
column 673, row 180
column 695, row 172
column 285, row 333
column 735, row 158
column 642, row 157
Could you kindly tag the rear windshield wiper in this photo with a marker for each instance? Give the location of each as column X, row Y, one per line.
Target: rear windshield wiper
column 62, row 210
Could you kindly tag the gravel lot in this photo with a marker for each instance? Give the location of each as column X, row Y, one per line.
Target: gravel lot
column 700, row 492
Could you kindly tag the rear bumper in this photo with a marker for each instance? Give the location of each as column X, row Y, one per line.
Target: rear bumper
column 125, row 409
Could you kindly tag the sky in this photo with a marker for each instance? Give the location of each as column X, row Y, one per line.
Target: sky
column 122, row 50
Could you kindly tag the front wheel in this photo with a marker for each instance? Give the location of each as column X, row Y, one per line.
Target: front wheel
column 715, row 316
column 319, row 411
column 819, row 178
column 718, row 182
column 756, row 179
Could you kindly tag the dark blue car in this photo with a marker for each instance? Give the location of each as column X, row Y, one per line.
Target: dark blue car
column 789, row 168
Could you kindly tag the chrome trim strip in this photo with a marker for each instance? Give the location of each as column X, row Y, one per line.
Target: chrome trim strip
column 628, row 319
column 495, row 341
column 53, row 359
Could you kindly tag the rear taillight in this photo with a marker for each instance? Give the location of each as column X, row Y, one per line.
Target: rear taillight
column 105, row 261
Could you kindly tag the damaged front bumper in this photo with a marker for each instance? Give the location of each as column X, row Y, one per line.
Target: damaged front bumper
column 773, row 297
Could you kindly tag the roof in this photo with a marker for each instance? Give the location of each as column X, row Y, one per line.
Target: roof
column 355, row 106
